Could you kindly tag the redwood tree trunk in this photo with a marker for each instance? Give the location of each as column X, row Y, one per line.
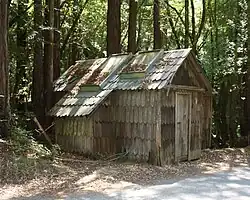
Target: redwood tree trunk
column 248, row 73
column 74, row 48
column 57, row 35
column 48, row 58
column 157, row 29
column 4, row 77
column 132, row 26
column 186, row 23
column 38, row 70
column 193, row 23
column 114, row 27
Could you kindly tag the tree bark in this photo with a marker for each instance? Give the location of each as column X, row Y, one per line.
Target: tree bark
column 48, row 59
column 202, row 24
column 172, row 25
column 114, row 27
column 248, row 71
column 57, row 36
column 195, row 37
column 4, row 71
column 193, row 22
column 74, row 47
column 38, row 70
column 186, row 23
column 157, row 29
column 132, row 26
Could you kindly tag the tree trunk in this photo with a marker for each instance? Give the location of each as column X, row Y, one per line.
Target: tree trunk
column 195, row 37
column 172, row 25
column 48, row 58
column 248, row 71
column 56, row 61
column 22, row 57
column 73, row 53
column 4, row 76
column 114, row 27
column 157, row 29
column 74, row 47
column 186, row 23
column 38, row 70
column 132, row 26
column 193, row 22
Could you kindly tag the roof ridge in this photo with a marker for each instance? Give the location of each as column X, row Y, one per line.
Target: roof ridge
column 176, row 50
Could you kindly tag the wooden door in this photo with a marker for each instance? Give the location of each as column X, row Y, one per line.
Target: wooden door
column 182, row 130
column 197, row 120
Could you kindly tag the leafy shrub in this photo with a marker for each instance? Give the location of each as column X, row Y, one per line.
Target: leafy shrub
column 25, row 144
column 23, row 158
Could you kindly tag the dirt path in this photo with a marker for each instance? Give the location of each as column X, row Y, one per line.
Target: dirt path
column 228, row 185
column 66, row 176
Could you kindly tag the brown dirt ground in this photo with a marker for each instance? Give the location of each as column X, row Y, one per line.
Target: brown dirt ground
column 71, row 173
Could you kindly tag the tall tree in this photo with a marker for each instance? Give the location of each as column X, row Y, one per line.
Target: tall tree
column 186, row 43
column 114, row 27
column 22, row 56
column 132, row 26
column 49, row 58
column 74, row 46
column 4, row 77
column 38, row 70
column 248, row 70
column 157, row 28
column 57, row 35
column 195, row 36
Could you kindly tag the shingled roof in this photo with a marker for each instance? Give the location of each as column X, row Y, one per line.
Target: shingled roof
column 144, row 70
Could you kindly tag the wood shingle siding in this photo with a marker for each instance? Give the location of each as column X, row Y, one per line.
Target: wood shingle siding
column 161, row 118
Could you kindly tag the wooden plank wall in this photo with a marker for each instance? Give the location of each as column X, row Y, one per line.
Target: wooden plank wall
column 130, row 126
column 196, row 125
column 104, row 137
column 186, row 76
column 168, row 126
column 128, row 122
column 74, row 134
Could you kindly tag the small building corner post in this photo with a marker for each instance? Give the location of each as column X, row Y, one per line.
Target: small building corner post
column 158, row 131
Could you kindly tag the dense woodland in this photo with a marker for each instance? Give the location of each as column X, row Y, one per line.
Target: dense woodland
column 40, row 39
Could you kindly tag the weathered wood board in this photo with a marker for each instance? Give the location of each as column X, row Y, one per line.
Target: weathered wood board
column 182, row 125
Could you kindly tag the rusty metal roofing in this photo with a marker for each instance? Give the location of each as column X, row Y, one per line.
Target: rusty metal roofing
column 81, row 103
column 82, row 69
column 159, row 75
column 140, row 61
column 159, row 67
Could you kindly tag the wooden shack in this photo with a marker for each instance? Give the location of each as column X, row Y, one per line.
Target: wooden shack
column 153, row 106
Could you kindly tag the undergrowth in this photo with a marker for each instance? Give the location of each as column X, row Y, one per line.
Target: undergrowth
column 23, row 158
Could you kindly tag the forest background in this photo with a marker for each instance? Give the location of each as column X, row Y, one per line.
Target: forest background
column 47, row 37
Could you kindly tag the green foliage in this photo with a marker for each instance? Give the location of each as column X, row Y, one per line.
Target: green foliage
column 22, row 158
column 25, row 144
column 224, row 58
column 221, row 46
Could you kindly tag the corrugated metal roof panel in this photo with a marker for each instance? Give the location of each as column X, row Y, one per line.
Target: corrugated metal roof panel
column 163, row 69
column 154, row 85
column 82, row 110
column 140, row 61
column 81, row 69
column 159, row 75
column 79, row 101
column 79, row 106
column 104, row 93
